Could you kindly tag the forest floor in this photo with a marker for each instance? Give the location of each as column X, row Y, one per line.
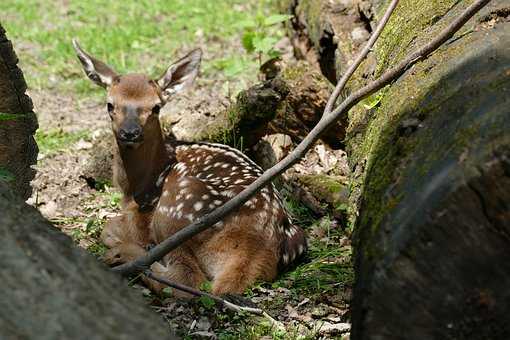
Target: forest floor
column 311, row 300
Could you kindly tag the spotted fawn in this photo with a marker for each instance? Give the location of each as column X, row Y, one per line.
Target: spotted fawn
column 167, row 184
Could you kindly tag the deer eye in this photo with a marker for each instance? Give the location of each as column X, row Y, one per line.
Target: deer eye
column 109, row 107
column 156, row 109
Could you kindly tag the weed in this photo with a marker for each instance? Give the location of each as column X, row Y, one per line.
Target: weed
column 260, row 35
column 53, row 141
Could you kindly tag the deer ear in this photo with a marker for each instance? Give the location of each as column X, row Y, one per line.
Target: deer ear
column 180, row 74
column 96, row 70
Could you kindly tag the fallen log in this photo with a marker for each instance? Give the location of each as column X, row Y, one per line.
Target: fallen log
column 430, row 158
column 53, row 290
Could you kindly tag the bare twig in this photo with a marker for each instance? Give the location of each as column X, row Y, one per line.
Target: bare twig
column 196, row 292
column 361, row 56
column 223, row 302
column 386, row 78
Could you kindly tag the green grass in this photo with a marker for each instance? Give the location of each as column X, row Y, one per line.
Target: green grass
column 53, row 141
column 328, row 266
column 132, row 36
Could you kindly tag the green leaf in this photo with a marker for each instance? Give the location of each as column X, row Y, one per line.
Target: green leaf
column 372, row 101
column 247, row 23
column 207, row 302
column 275, row 19
column 247, row 41
column 273, row 54
column 6, row 175
column 264, row 44
column 206, row 286
column 167, row 292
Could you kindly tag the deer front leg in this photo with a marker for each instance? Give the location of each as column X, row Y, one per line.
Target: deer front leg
column 179, row 266
column 127, row 235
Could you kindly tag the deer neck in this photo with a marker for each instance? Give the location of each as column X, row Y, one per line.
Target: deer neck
column 141, row 170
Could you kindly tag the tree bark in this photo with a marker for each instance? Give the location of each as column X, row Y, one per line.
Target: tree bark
column 431, row 178
column 329, row 33
column 53, row 290
column 18, row 150
column 430, row 162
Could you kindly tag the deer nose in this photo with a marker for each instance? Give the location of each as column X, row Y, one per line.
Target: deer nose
column 131, row 134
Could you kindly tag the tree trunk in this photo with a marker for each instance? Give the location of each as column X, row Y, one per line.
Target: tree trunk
column 18, row 150
column 431, row 167
column 329, row 33
column 54, row 290
column 430, row 162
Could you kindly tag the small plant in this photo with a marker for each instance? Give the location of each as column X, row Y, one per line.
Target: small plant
column 260, row 36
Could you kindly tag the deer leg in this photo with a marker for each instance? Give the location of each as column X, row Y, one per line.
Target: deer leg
column 242, row 270
column 130, row 227
column 179, row 266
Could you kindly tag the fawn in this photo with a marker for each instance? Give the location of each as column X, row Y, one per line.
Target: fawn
column 166, row 184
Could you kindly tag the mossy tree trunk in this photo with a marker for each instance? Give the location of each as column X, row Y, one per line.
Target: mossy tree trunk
column 18, row 150
column 431, row 166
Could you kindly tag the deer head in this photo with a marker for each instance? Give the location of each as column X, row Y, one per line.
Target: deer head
column 134, row 100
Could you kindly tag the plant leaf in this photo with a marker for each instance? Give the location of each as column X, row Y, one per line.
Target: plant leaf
column 264, row 44
column 207, row 302
column 275, row 19
column 247, row 41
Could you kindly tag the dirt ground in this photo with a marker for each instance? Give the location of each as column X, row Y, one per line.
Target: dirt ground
column 64, row 196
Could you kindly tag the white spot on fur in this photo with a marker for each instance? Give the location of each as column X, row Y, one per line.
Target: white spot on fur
column 198, row 205
column 228, row 193
column 301, row 249
column 205, row 197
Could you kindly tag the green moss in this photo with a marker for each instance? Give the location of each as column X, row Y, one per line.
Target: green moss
column 327, row 188
column 412, row 25
column 312, row 10
column 408, row 27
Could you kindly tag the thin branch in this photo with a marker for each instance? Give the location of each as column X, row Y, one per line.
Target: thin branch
column 223, row 302
column 361, row 56
column 196, row 292
column 208, row 220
